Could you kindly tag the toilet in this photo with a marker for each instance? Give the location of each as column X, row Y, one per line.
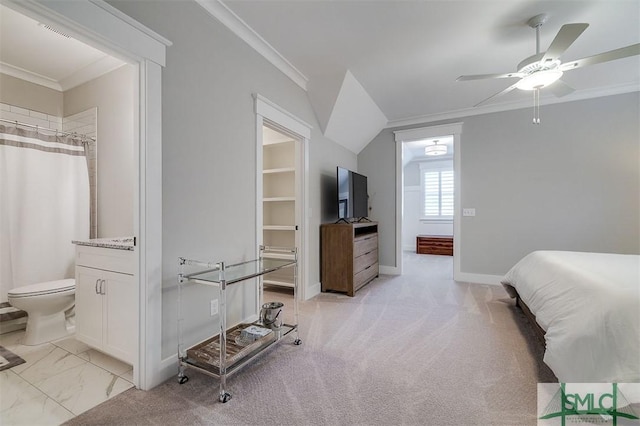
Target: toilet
column 45, row 304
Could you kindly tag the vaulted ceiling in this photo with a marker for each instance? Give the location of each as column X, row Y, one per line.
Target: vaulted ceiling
column 367, row 65
column 406, row 55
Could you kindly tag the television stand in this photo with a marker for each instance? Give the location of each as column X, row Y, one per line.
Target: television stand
column 349, row 255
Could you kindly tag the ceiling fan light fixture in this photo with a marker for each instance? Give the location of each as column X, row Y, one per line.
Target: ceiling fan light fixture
column 435, row 149
column 539, row 79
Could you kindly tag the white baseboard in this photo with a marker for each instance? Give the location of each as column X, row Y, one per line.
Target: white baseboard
column 389, row 270
column 478, row 278
column 168, row 368
column 312, row 290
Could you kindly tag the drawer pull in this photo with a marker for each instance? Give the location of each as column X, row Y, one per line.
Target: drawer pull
column 97, row 286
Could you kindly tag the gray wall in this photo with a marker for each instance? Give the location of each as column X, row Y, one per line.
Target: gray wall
column 571, row 183
column 209, row 151
column 25, row 94
column 113, row 95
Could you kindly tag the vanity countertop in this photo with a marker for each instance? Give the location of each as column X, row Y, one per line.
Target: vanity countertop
column 119, row 243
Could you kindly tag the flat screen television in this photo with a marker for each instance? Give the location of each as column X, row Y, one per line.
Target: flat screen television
column 353, row 200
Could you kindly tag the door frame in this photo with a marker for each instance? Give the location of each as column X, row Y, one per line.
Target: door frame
column 268, row 111
column 106, row 28
column 408, row 135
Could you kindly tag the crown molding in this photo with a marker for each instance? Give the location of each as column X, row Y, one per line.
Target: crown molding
column 240, row 28
column 132, row 22
column 102, row 66
column 29, row 76
column 507, row 106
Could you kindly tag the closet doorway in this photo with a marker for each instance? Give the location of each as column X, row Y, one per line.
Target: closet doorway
column 281, row 188
column 280, row 195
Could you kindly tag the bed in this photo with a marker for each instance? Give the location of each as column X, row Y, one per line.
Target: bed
column 588, row 307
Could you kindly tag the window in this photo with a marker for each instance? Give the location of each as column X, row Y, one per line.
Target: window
column 437, row 192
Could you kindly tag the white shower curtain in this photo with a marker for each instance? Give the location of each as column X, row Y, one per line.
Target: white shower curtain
column 44, row 204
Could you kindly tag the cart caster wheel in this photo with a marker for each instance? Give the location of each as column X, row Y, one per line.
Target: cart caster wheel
column 297, row 342
column 225, row 397
column 182, row 380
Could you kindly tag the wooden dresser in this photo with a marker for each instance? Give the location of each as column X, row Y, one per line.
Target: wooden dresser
column 349, row 255
column 434, row 244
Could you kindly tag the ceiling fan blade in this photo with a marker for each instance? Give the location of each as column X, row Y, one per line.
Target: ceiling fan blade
column 560, row 89
column 505, row 91
column 565, row 38
column 487, row 76
column 611, row 55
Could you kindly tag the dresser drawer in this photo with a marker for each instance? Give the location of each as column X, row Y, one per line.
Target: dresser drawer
column 363, row 277
column 361, row 262
column 365, row 244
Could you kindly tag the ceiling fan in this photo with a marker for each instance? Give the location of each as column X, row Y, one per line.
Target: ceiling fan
column 545, row 68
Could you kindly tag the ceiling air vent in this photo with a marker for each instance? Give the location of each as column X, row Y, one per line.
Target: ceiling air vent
column 54, row 30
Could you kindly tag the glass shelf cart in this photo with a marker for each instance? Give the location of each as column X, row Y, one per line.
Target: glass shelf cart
column 220, row 364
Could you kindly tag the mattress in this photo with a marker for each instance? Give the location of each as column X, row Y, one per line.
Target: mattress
column 589, row 306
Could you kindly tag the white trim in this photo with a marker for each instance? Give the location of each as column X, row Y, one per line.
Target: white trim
column 102, row 66
column 150, row 187
column 284, row 118
column 136, row 25
column 520, row 104
column 313, row 290
column 97, row 23
column 479, row 278
column 100, row 25
column 389, row 270
column 233, row 22
column 259, row 191
column 419, row 133
column 428, row 132
column 29, row 76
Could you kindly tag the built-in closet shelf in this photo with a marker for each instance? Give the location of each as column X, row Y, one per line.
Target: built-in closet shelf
column 272, row 199
column 279, row 227
column 280, row 196
column 280, row 170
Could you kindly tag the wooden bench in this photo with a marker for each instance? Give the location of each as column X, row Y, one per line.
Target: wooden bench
column 434, row 244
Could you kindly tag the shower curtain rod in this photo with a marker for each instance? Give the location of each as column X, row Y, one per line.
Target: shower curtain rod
column 46, row 129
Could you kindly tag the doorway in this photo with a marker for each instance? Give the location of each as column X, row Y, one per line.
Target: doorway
column 434, row 212
column 101, row 26
column 281, row 188
column 280, row 197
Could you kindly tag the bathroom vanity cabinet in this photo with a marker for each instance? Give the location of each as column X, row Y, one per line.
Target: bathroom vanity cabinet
column 107, row 300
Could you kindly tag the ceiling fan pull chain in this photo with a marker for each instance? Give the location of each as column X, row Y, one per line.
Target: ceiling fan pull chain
column 536, row 106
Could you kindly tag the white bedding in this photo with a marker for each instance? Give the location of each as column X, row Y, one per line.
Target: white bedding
column 589, row 306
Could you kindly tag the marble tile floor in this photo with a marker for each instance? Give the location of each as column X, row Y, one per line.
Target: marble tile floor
column 58, row 381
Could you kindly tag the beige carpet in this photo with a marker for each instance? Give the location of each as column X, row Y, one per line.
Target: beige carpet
column 416, row 349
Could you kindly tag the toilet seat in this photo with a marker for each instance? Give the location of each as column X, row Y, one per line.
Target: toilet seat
column 41, row 289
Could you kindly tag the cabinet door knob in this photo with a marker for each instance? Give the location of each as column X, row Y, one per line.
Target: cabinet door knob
column 102, row 282
column 98, row 280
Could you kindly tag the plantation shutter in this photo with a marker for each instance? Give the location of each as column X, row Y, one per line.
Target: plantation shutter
column 438, row 193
